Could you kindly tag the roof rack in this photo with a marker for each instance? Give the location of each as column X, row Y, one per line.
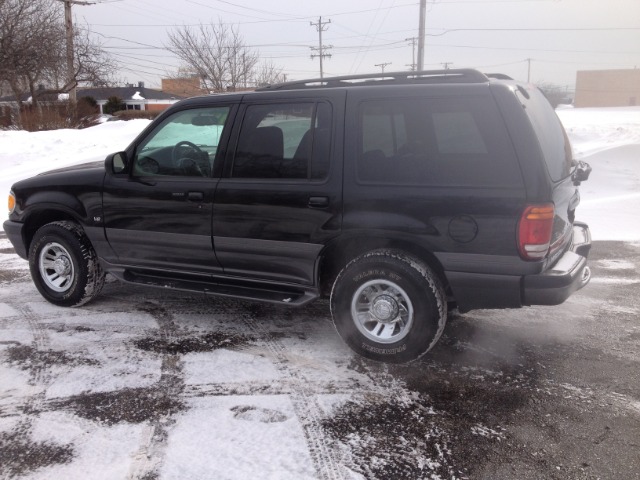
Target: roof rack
column 462, row 75
column 498, row 76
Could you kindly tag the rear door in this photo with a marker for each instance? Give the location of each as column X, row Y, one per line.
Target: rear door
column 280, row 199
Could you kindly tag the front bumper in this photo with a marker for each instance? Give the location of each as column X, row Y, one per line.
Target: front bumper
column 569, row 274
column 14, row 234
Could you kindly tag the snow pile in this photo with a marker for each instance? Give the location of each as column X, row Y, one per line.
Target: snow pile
column 137, row 96
column 593, row 130
column 609, row 140
column 24, row 154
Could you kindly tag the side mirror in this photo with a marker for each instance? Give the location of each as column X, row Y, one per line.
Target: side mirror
column 116, row 163
column 581, row 173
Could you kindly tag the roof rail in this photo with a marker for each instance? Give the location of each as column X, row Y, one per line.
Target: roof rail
column 498, row 76
column 462, row 75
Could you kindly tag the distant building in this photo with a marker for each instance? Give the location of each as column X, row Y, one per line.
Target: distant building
column 607, row 88
column 134, row 97
column 192, row 86
column 183, row 86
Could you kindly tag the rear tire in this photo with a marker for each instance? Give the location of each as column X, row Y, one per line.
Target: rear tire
column 388, row 306
column 64, row 265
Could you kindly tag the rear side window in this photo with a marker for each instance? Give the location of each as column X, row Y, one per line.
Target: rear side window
column 435, row 141
column 287, row 141
column 550, row 132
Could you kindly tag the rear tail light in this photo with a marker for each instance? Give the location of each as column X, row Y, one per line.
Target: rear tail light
column 534, row 231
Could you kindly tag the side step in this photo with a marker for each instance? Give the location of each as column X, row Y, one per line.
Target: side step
column 224, row 287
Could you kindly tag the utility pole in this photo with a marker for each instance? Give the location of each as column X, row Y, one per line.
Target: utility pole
column 446, row 65
column 68, row 23
column 528, row 60
column 423, row 14
column 321, row 48
column 412, row 41
column 382, row 65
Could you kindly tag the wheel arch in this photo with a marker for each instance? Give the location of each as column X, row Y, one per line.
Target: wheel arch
column 41, row 217
column 341, row 251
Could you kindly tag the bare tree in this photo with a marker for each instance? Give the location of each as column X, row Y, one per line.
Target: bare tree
column 32, row 46
column 93, row 65
column 216, row 52
column 556, row 94
column 267, row 73
column 29, row 34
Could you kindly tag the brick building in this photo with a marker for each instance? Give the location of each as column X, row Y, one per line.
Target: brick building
column 183, row 86
column 607, row 88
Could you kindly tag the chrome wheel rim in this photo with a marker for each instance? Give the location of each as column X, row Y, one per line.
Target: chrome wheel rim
column 56, row 267
column 382, row 311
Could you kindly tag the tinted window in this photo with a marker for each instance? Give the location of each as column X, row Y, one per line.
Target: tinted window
column 184, row 144
column 289, row 141
column 550, row 132
column 439, row 141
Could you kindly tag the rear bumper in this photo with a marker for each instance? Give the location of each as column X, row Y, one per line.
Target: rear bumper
column 569, row 274
column 551, row 287
column 14, row 234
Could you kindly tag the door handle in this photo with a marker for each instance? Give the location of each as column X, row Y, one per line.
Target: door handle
column 318, row 202
column 195, row 196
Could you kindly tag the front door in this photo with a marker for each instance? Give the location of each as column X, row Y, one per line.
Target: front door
column 159, row 214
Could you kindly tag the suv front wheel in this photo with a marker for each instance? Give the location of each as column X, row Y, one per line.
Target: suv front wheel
column 64, row 266
column 388, row 306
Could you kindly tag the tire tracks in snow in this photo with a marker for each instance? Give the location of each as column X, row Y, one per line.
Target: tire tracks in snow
column 39, row 378
column 305, row 404
column 146, row 462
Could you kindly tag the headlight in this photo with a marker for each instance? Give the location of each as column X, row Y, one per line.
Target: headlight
column 12, row 202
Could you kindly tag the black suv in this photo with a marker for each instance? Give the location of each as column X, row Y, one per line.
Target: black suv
column 399, row 196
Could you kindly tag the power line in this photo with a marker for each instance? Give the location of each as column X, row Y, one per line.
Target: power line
column 596, row 29
column 388, row 9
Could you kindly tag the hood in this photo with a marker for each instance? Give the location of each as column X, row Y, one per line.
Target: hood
column 87, row 175
column 74, row 168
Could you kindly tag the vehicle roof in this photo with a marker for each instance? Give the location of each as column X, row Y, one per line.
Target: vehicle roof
column 322, row 86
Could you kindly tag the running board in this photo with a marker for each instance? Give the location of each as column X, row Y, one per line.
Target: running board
column 271, row 293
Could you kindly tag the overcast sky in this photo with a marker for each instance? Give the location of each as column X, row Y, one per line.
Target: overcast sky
column 559, row 36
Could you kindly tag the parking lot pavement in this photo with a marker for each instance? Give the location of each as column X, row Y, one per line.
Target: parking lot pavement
column 152, row 384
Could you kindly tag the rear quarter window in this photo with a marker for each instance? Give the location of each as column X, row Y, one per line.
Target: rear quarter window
column 553, row 140
column 459, row 141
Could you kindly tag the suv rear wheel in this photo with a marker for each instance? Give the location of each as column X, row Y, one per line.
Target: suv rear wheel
column 64, row 266
column 388, row 306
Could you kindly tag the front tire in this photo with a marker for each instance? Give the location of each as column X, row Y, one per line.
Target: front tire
column 388, row 306
column 64, row 265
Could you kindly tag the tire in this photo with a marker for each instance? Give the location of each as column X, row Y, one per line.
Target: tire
column 388, row 306
column 64, row 266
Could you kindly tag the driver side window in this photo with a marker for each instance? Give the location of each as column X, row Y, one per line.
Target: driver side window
column 184, row 144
